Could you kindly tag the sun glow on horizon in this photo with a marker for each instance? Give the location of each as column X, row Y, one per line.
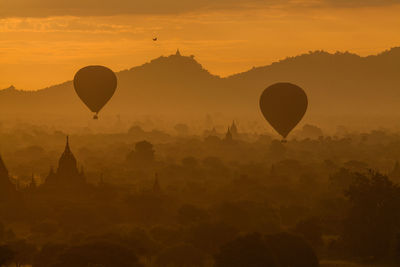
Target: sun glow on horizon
column 224, row 41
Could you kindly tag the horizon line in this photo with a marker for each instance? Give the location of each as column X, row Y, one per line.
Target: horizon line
column 338, row 52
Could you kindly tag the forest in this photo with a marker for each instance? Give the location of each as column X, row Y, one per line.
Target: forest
column 180, row 197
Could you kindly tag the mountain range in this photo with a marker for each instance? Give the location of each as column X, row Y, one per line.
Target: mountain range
column 340, row 84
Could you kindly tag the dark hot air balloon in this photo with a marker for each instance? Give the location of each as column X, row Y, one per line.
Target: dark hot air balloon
column 95, row 85
column 283, row 106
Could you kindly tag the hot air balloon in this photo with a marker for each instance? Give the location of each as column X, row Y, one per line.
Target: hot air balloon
column 283, row 106
column 95, row 85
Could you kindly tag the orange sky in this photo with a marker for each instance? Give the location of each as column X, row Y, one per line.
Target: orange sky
column 47, row 44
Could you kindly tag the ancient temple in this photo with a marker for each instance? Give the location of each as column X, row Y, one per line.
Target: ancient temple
column 67, row 173
column 233, row 129
column 7, row 188
column 228, row 135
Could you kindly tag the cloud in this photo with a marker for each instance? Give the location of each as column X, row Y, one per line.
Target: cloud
column 43, row 8
column 65, row 24
column 361, row 3
column 48, row 8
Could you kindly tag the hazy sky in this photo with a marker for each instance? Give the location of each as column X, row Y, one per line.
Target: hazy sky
column 44, row 42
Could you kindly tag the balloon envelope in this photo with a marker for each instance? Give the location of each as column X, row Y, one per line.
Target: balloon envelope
column 95, row 85
column 283, row 106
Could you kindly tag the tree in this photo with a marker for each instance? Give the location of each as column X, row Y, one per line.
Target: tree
column 277, row 150
column 147, row 207
column 136, row 130
column 182, row 255
column 2, row 231
column 6, row 255
column 291, row 250
column 48, row 255
column 311, row 131
column 246, row 251
column 341, row 179
column 311, row 230
column 371, row 224
column 190, row 162
column 210, row 236
column 278, row 250
column 188, row 214
column 249, row 216
column 24, row 252
column 143, row 153
column 181, row 129
column 99, row 253
column 140, row 242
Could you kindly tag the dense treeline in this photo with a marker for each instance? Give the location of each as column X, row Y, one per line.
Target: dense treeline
column 157, row 199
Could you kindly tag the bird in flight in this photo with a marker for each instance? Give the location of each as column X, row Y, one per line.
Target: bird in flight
column 155, row 39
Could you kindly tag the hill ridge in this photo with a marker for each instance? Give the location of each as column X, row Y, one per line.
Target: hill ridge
column 339, row 84
column 163, row 59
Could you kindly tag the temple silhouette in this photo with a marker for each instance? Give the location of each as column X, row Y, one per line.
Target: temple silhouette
column 67, row 174
column 231, row 133
column 7, row 188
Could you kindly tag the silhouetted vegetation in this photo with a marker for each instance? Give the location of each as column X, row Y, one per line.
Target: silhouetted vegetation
column 198, row 200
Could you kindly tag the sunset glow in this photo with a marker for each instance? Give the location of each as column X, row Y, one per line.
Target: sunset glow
column 43, row 47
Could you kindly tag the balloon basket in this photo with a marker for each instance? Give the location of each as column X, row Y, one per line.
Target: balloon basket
column 95, row 117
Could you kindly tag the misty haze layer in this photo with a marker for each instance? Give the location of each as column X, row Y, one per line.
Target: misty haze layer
column 343, row 86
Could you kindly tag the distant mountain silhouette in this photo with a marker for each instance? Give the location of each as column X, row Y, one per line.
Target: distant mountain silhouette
column 337, row 84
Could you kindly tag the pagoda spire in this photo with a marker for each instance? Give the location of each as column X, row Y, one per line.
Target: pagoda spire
column 67, row 144
column 67, row 162
column 228, row 136
column 3, row 168
column 33, row 182
column 234, row 129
